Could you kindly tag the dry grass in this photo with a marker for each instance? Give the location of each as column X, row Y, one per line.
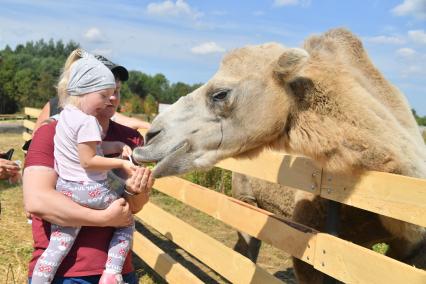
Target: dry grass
column 270, row 258
column 16, row 238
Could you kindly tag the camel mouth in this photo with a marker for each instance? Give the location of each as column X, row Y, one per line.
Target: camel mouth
column 143, row 155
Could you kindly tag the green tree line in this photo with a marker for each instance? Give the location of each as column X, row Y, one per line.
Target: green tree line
column 30, row 71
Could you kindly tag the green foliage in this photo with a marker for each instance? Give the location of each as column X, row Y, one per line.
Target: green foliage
column 217, row 179
column 381, row 248
column 175, row 91
column 29, row 73
column 132, row 104
column 421, row 120
column 150, row 106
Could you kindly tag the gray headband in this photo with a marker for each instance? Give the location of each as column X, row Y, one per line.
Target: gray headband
column 89, row 75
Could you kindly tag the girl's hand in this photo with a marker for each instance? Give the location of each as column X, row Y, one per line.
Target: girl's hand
column 126, row 151
column 128, row 167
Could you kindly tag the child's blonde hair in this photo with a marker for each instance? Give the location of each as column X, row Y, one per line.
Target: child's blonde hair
column 64, row 97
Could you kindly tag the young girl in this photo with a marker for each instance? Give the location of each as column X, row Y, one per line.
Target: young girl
column 80, row 164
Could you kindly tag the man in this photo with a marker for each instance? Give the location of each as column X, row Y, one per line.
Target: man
column 85, row 262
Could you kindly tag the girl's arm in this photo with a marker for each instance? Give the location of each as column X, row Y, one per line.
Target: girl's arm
column 90, row 161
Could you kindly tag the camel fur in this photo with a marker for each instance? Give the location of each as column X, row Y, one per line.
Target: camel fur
column 326, row 101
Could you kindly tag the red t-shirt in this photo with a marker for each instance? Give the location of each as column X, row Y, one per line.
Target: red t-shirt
column 89, row 252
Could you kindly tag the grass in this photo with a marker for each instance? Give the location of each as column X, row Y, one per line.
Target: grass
column 16, row 238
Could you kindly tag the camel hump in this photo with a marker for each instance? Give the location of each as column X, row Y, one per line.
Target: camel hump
column 336, row 42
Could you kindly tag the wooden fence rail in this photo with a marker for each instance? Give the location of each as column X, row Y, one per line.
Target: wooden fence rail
column 395, row 196
column 399, row 197
column 29, row 124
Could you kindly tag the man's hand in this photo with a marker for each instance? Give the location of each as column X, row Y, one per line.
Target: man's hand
column 140, row 181
column 118, row 214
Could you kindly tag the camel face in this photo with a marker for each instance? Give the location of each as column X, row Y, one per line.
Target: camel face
column 222, row 118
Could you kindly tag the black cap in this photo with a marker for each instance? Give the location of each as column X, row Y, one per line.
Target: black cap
column 119, row 71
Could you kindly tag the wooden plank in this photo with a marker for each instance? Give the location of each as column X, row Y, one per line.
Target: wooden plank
column 26, row 136
column 230, row 264
column 289, row 236
column 396, row 196
column 294, row 171
column 161, row 262
column 143, row 131
column 351, row 263
column 29, row 124
column 32, row 112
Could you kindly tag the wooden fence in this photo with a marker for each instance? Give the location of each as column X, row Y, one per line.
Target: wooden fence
column 399, row 197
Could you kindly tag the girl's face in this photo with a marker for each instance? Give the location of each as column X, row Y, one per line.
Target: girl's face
column 94, row 103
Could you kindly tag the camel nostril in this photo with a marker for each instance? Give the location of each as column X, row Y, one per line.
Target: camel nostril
column 150, row 135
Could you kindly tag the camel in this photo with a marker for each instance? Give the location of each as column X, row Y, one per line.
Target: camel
column 325, row 101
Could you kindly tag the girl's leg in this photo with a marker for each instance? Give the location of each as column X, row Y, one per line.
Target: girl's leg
column 61, row 241
column 119, row 247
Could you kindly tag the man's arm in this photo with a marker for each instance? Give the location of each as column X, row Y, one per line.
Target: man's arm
column 131, row 121
column 42, row 200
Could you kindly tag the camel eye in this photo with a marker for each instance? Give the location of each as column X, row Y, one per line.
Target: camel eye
column 220, row 95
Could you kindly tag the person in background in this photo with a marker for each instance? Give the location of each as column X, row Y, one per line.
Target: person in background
column 85, row 262
column 9, row 170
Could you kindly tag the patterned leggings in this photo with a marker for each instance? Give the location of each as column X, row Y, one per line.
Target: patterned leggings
column 95, row 195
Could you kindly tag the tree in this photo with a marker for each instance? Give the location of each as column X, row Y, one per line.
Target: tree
column 29, row 73
column 150, row 105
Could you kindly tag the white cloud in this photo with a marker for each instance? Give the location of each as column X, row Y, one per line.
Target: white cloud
column 173, row 9
column 406, row 52
column 94, row 35
column 418, row 36
column 416, row 8
column 412, row 70
column 207, row 47
column 385, row 39
column 281, row 3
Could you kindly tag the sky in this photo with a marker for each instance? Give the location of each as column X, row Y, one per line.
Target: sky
column 186, row 39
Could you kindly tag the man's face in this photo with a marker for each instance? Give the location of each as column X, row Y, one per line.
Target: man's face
column 114, row 102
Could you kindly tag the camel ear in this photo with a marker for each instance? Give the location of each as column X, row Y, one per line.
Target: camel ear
column 301, row 86
column 290, row 62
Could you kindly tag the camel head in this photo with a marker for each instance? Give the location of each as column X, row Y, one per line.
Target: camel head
column 244, row 106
